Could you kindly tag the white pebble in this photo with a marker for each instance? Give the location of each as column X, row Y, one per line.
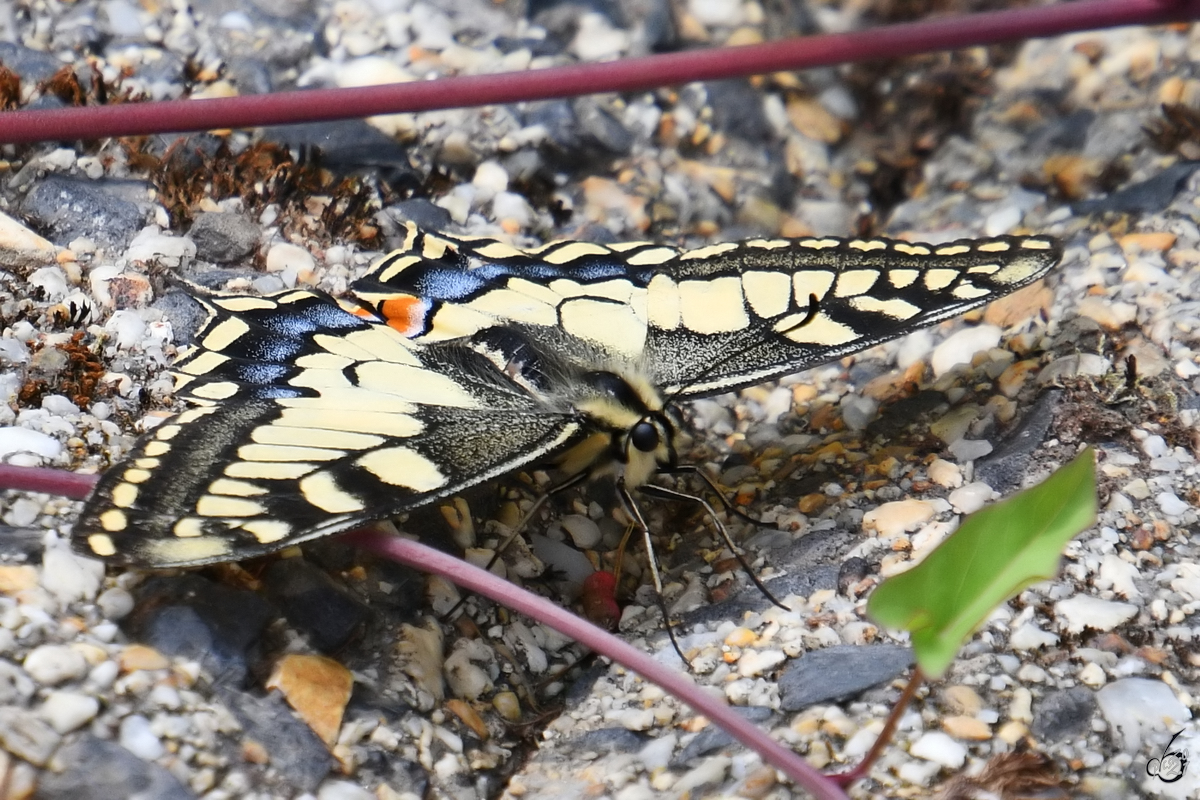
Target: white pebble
column 756, row 662
column 151, row 246
column 940, row 748
column 971, row 497
column 1002, row 220
column 962, row 346
column 657, row 754
column 70, row 577
column 66, row 711
column 584, row 531
column 1170, row 504
column 115, row 603
column 632, row 719
column 892, row 519
column 1134, row 707
column 970, row 449
column 1092, row 675
column 343, row 790
column 127, row 328
column 1155, row 447
column 945, row 473
column 285, row 254
column 52, row 664
column 1084, row 611
column 136, row 737
column 490, row 179
column 52, row 281
column 23, row 440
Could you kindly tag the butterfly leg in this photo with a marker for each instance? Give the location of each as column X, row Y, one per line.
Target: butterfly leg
column 639, row 521
column 726, row 503
column 670, row 494
column 574, row 480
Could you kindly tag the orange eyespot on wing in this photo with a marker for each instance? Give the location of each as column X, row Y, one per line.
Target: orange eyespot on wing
column 406, row 314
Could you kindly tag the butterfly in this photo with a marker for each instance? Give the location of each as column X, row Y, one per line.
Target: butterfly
column 457, row 360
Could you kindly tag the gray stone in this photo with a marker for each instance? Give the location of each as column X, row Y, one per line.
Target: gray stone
column 222, row 238
column 63, row 209
column 25, row 735
column 839, row 672
column 100, row 770
column 1064, row 714
column 1005, row 467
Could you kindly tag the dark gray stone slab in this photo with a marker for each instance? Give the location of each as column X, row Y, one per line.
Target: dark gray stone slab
column 840, row 672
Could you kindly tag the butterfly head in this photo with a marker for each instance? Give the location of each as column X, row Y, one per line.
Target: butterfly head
column 634, row 434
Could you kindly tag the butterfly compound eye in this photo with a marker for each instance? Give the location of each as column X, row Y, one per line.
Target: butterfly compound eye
column 644, row 436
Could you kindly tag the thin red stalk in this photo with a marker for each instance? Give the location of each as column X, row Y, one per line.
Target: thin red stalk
column 45, row 479
column 630, row 75
column 885, row 736
column 485, row 583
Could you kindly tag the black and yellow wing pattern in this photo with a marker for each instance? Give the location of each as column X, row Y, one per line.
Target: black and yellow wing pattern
column 461, row 359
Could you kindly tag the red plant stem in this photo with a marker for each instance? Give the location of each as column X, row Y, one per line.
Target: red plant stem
column 885, row 736
column 478, row 580
column 45, row 479
column 630, row 75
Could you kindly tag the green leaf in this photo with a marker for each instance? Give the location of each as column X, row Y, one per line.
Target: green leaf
column 994, row 554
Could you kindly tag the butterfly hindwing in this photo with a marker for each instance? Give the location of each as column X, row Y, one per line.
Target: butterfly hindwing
column 310, row 419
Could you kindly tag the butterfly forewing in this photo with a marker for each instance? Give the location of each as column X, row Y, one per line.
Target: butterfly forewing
column 701, row 321
column 463, row 359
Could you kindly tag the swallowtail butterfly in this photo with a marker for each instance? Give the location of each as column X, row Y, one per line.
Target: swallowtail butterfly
column 458, row 360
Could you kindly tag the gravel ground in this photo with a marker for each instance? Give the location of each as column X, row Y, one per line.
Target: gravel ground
column 136, row 684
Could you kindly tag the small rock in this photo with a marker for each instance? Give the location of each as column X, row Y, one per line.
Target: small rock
column 970, row 728
column 1170, row 504
column 140, row 657
column 152, row 247
column 52, row 664
column 1108, row 313
column 136, row 737
column 1084, row 611
column 970, row 449
column 283, row 255
column 26, row 736
column 971, row 497
column 962, row 346
column 584, row 531
column 318, row 688
column 939, row 748
column 893, row 519
column 756, row 662
column 67, row 209
column 22, row 440
column 66, row 711
column 224, row 238
column 945, row 473
column 1136, row 707
column 343, row 790
column 839, row 672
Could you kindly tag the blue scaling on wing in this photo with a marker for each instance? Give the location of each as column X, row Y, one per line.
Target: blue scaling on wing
column 308, row 319
column 439, row 283
column 261, row 374
column 277, row 393
column 605, row 270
